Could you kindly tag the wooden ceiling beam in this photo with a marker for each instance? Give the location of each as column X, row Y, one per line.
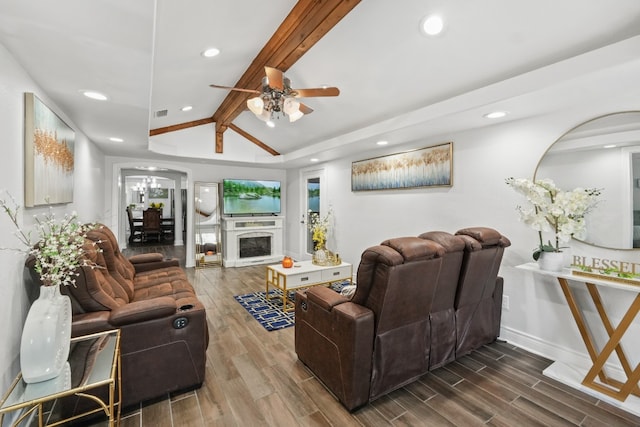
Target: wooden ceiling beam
column 253, row 139
column 181, row 126
column 308, row 22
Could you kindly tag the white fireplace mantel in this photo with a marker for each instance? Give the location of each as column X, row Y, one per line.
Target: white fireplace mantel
column 236, row 228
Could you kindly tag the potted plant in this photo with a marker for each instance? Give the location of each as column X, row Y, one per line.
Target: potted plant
column 58, row 253
column 554, row 210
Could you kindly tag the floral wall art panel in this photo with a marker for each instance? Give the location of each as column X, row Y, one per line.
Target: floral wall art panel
column 425, row 167
column 48, row 154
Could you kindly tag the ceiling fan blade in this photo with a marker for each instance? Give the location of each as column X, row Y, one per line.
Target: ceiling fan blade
column 275, row 77
column 235, row 88
column 305, row 110
column 320, row 91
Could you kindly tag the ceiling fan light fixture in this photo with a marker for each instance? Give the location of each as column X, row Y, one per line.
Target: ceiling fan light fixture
column 255, row 105
column 270, row 123
column 295, row 116
column 265, row 115
column 291, row 106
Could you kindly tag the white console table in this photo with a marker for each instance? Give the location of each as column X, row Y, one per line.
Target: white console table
column 304, row 274
column 618, row 390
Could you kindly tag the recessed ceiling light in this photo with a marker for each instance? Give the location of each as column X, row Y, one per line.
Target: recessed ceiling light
column 211, row 52
column 95, row 95
column 270, row 123
column 186, row 108
column 609, row 146
column 495, row 115
column 314, row 160
column 115, row 139
column 382, row 142
column 432, row 25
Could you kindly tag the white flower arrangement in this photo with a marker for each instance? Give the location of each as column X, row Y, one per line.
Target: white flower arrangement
column 59, row 251
column 554, row 210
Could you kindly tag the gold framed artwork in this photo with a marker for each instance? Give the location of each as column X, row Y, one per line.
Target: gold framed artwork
column 48, row 155
column 425, row 167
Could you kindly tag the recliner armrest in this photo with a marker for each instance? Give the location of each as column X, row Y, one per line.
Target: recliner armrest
column 152, row 261
column 89, row 323
column 325, row 297
column 140, row 311
column 149, row 257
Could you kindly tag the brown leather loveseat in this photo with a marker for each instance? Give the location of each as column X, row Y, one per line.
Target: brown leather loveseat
column 420, row 302
column 163, row 325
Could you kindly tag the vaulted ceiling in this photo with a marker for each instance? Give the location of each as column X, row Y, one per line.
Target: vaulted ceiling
column 396, row 83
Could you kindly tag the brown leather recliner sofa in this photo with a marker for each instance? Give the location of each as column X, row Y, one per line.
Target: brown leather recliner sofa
column 420, row 302
column 163, row 325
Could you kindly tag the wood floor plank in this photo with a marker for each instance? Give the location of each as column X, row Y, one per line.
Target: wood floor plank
column 157, row 414
column 214, row 407
column 418, row 413
column 314, row 420
column 275, row 411
column 301, row 404
column 453, row 397
column 257, row 384
column 244, row 409
column 370, row 417
column 388, row 407
column 548, row 417
column 186, row 412
column 484, row 382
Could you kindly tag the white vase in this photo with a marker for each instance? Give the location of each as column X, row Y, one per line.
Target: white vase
column 46, row 336
column 551, row 261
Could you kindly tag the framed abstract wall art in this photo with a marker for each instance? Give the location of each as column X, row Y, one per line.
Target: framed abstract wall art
column 425, row 167
column 48, row 155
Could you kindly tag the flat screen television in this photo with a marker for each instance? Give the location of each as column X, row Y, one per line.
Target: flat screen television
column 246, row 197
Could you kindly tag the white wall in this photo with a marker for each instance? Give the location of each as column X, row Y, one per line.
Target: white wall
column 538, row 318
column 88, row 201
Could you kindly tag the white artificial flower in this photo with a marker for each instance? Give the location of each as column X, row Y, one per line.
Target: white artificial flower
column 561, row 212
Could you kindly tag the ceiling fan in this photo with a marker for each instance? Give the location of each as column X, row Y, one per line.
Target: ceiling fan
column 277, row 97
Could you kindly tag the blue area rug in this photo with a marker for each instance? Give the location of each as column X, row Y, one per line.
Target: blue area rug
column 269, row 312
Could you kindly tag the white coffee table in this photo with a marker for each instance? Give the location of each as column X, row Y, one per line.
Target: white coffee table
column 304, row 274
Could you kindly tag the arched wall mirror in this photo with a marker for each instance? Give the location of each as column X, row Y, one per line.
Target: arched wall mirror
column 604, row 153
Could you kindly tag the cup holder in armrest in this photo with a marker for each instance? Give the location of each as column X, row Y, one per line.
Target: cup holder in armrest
column 185, row 307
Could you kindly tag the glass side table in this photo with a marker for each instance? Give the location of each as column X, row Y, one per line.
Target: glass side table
column 94, row 362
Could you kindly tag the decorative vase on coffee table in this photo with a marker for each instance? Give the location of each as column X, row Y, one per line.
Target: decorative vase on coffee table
column 551, row 261
column 46, row 336
column 321, row 256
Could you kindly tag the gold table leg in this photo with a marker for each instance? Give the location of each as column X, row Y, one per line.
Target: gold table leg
column 609, row 386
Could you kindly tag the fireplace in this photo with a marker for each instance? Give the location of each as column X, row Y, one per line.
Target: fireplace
column 253, row 246
column 252, row 240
